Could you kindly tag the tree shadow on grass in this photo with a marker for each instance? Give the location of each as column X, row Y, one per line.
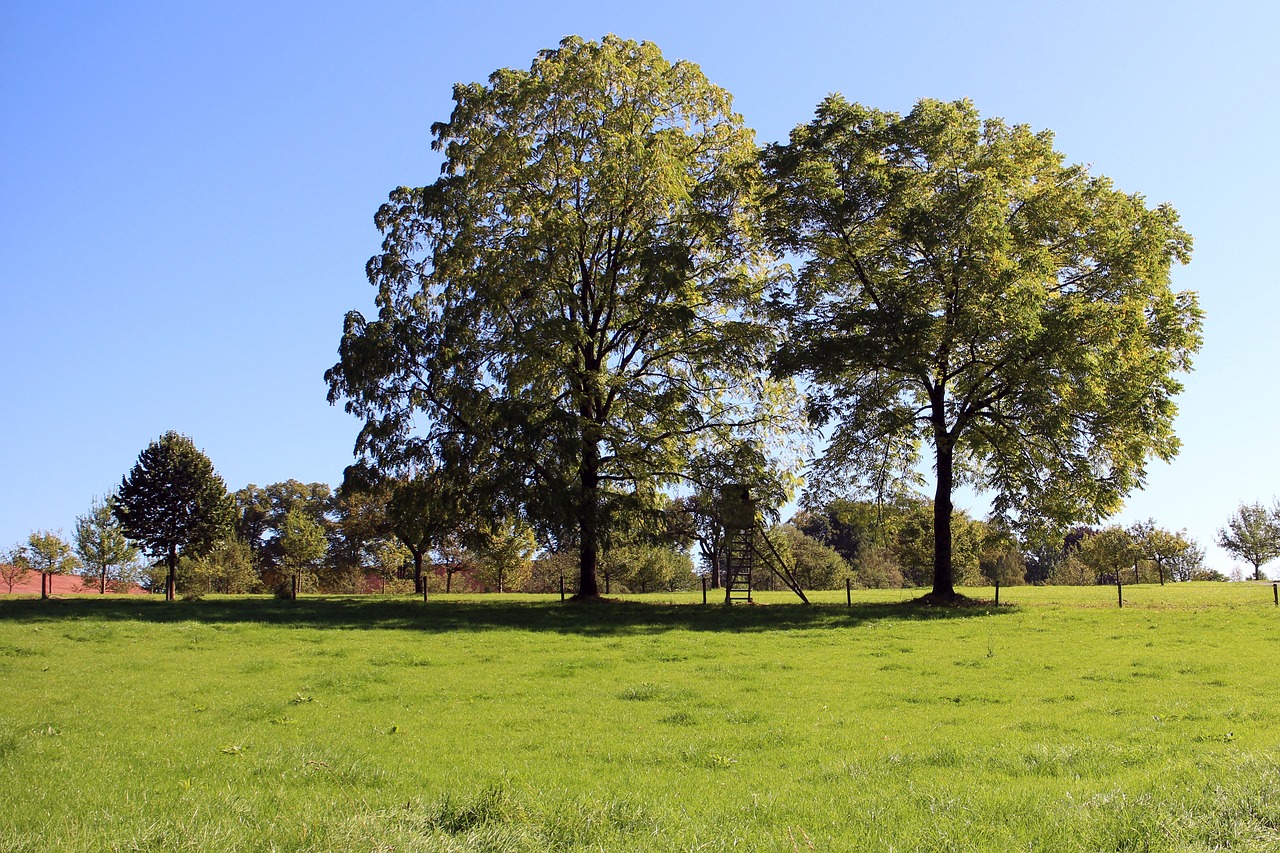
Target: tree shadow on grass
column 371, row 614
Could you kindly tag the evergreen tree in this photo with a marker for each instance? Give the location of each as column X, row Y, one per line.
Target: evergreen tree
column 173, row 502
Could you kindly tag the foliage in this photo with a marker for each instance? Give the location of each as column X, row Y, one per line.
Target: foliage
column 172, row 502
column 571, row 304
column 226, row 568
column 302, row 545
column 504, row 562
column 815, row 565
column 15, row 565
column 965, row 289
column 648, row 568
column 49, row 554
column 1174, row 555
column 1252, row 535
column 104, row 550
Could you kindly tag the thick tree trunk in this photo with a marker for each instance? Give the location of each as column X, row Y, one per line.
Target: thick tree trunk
column 419, row 582
column 943, row 585
column 588, row 518
column 171, row 584
column 44, row 585
column 102, row 589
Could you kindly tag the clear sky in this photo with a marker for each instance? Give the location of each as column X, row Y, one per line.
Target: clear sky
column 187, row 195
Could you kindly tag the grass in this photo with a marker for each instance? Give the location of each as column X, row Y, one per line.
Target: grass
column 518, row 723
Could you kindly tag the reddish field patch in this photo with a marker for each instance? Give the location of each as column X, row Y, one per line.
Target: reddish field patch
column 66, row 585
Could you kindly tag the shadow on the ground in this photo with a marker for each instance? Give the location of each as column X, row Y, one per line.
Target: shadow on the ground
column 598, row 618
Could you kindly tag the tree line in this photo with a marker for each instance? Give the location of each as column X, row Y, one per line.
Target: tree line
column 586, row 328
column 373, row 534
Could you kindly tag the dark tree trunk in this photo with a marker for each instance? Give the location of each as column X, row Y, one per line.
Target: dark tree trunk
column 171, row 583
column 102, row 590
column 419, row 582
column 943, row 584
column 588, row 518
column 44, row 585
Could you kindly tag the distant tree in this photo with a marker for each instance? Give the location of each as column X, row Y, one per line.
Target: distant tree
column 302, row 545
column 965, row 290
column 1109, row 553
column 1174, row 554
column 173, row 502
column 49, row 555
column 648, row 568
column 1252, row 535
column 15, row 565
column 102, row 546
column 576, row 297
column 227, row 568
column 815, row 565
column 504, row 561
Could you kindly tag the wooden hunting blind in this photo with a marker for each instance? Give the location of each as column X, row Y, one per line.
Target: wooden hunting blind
column 740, row 519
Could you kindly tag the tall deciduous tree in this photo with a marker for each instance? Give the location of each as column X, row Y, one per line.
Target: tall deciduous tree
column 965, row 289
column 101, row 543
column 572, row 302
column 49, row 554
column 173, row 502
column 1253, row 535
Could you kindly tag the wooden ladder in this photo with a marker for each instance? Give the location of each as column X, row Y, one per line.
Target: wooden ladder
column 739, row 550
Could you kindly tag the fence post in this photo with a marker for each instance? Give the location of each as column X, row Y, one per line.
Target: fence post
column 562, row 587
column 1275, row 592
column 1119, row 592
column 848, row 592
column 997, row 591
column 704, row 589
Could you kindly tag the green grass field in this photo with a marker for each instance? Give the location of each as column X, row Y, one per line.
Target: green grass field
column 1059, row 722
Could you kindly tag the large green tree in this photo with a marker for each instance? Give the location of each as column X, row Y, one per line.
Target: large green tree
column 100, row 541
column 172, row 502
column 572, row 302
column 966, row 290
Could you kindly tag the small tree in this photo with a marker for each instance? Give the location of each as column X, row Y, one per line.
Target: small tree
column 50, row 555
column 1253, row 535
column 14, row 566
column 227, row 568
column 505, row 561
column 102, row 545
column 302, row 545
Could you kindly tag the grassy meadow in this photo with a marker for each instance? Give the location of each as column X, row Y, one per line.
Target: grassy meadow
column 1054, row 722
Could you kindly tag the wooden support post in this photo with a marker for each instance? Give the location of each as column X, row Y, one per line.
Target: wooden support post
column 997, row 591
column 1275, row 593
column 848, row 592
column 1119, row 592
column 562, row 587
column 704, row 589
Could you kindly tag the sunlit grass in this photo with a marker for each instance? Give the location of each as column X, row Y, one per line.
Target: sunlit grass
column 518, row 723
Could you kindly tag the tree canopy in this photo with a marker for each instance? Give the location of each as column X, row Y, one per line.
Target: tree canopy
column 963, row 288
column 101, row 543
column 573, row 301
column 172, row 502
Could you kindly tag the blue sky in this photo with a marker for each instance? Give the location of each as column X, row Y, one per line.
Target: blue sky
column 187, row 194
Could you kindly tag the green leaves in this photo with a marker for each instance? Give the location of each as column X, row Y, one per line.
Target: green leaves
column 173, row 500
column 961, row 286
column 575, row 299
